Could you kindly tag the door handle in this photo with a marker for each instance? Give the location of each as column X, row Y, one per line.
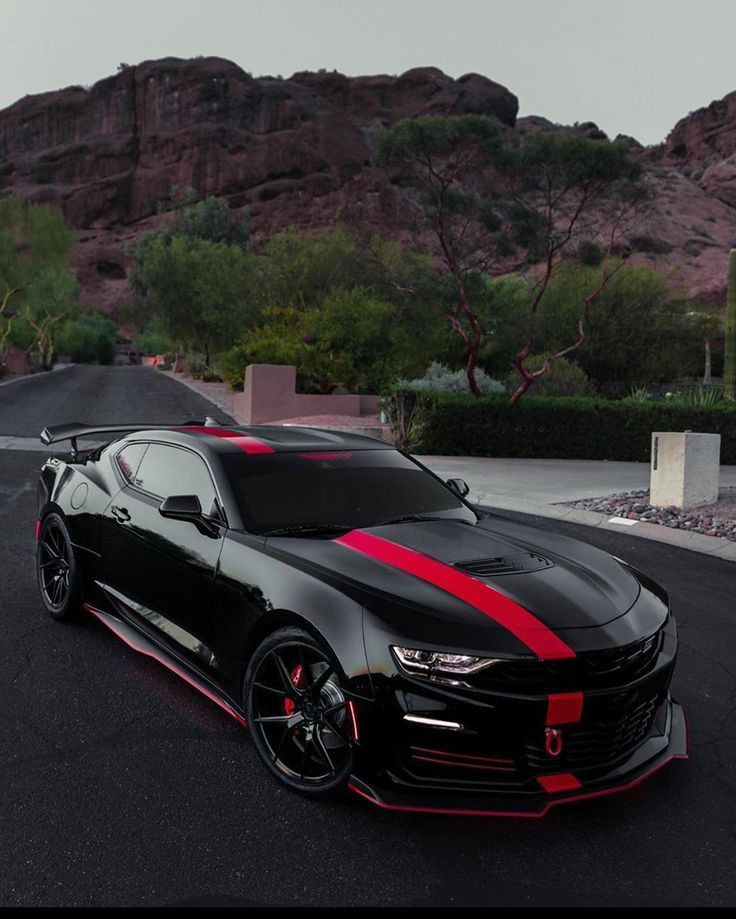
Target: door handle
column 120, row 514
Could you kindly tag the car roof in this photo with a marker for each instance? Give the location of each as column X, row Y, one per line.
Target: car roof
column 265, row 438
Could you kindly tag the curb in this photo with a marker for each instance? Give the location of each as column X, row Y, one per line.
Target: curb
column 36, row 376
column 681, row 539
column 180, row 378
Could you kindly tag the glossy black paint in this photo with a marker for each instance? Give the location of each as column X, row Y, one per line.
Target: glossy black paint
column 203, row 593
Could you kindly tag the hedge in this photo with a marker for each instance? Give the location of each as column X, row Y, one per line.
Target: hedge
column 459, row 424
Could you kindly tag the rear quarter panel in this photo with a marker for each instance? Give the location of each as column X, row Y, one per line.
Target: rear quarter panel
column 80, row 492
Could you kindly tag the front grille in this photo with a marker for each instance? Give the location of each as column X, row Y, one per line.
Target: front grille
column 609, row 733
column 514, row 563
column 588, row 670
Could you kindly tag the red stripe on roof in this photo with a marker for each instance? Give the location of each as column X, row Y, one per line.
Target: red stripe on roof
column 497, row 606
column 246, row 442
column 564, row 707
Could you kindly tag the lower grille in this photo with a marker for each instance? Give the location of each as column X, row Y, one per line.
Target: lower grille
column 610, row 733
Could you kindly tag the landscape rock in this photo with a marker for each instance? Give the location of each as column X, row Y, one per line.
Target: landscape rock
column 718, row 520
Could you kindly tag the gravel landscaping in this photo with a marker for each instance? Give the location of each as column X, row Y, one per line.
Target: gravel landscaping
column 717, row 519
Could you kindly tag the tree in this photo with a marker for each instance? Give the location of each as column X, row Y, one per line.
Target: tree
column 35, row 243
column 638, row 335
column 210, row 219
column 349, row 338
column 51, row 297
column 300, row 269
column 478, row 204
column 196, row 273
column 200, row 289
column 445, row 166
column 88, row 338
column 564, row 191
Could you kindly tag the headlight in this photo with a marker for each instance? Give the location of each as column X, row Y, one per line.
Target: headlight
column 436, row 664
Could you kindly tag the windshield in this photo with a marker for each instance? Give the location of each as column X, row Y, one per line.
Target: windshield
column 350, row 489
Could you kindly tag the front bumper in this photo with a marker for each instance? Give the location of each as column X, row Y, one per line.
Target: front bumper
column 561, row 788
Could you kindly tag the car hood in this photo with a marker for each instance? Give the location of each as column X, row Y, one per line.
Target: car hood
column 564, row 583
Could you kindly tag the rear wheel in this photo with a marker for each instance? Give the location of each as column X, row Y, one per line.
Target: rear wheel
column 298, row 713
column 56, row 568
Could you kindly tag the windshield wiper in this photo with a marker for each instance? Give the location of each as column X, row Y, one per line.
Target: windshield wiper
column 308, row 529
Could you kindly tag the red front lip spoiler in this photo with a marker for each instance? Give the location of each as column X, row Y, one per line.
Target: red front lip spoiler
column 678, row 748
column 536, row 815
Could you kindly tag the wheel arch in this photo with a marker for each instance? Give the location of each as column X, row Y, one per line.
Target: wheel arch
column 273, row 621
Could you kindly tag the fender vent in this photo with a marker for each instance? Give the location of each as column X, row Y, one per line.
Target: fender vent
column 516, row 563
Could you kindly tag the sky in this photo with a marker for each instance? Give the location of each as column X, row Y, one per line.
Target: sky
column 632, row 66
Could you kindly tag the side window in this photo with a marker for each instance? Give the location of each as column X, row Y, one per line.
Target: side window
column 129, row 459
column 170, row 471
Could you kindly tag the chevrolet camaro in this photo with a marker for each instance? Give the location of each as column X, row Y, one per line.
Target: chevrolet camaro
column 373, row 629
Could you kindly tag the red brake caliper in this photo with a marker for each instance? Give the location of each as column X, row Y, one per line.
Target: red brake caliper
column 297, row 675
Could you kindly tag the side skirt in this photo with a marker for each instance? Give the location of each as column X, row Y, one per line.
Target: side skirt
column 140, row 643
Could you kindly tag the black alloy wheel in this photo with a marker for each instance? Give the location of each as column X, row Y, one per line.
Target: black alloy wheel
column 298, row 713
column 56, row 568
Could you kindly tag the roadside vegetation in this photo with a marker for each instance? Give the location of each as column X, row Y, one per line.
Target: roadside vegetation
column 40, row 313
column 514, row 283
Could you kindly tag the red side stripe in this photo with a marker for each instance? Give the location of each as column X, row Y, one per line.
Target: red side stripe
column 246, row 442
column 502, row 609
column 564, row 708
column 561, row 781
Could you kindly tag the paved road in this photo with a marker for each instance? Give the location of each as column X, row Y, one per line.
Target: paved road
column 122, row 786
column 98, row 394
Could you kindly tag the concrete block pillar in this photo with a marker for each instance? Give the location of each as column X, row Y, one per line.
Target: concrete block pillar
column 685, row 469
column 268, row 393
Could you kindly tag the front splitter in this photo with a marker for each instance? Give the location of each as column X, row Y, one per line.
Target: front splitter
column 648, row 759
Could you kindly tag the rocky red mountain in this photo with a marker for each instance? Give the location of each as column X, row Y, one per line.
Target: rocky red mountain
column 296, row 152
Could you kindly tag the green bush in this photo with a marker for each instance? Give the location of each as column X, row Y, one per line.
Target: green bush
column 453, row 424
column 153, row 339
column 195, row 365
column 88, row 340
column 564, row 378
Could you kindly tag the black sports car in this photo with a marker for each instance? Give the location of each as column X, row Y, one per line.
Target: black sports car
column 372, row 628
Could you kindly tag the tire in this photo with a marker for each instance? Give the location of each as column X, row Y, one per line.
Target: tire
column 297, row 713
column 57, row 571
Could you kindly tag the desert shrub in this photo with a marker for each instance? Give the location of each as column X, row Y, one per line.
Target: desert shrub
column 697, row 396
column 195, row 365
column 438, row 378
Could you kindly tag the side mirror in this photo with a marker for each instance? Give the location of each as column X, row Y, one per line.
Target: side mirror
column 459, row 486
column 181, row 507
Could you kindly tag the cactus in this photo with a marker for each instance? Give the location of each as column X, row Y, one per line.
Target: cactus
column 729, row 367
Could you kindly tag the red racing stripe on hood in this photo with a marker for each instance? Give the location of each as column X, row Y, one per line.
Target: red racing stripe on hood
column 246, row 442
column 497, row 606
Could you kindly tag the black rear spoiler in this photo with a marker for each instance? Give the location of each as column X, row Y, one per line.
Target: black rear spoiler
column 52, row 434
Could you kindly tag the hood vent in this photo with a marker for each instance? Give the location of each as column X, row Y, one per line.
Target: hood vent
column 515, row 563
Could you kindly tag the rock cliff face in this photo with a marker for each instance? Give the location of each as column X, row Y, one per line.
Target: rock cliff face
column 297, row 151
